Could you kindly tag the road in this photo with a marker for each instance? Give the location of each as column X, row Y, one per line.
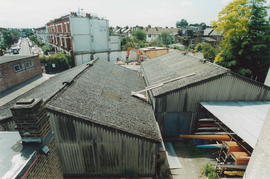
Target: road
column 25, row 49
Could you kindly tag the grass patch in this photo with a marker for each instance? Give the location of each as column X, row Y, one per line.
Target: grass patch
column 209, row 171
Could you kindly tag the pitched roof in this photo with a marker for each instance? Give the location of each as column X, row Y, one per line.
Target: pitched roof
column 102, row 95
column 11, row 58
column 174, row 65
column 159, row 30
column 45, row 90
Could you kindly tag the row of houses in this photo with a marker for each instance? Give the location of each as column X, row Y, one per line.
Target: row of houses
column 188, row 36
column 81, row 35
column 111, row 121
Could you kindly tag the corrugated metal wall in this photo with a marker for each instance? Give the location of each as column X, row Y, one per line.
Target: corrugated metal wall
column 89, row 149
column 225, row 88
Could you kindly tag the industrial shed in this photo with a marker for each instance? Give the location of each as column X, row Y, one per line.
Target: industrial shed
column 101, row 129
column 245, row 119
column 177, row 83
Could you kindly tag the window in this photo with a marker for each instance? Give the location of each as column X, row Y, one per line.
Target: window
column 18, row 67
column 28, row 64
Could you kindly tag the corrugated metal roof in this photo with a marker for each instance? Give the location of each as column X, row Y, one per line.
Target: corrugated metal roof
column 102, row 95
column 11, row 58
column 243, row 118
column 174, row 65
column 14, row 156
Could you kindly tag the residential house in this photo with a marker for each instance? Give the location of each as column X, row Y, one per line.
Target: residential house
column 153, row 33
column 42, row 34
column 84, row 36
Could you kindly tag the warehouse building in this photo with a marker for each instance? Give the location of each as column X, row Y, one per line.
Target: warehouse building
column 242, row 122
column 100, row 129
column 177, row 83
column 15, row 70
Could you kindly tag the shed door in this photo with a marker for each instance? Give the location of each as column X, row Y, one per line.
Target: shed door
column 176, row 123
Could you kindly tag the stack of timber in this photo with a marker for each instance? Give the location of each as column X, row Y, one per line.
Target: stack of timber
column 232, row 160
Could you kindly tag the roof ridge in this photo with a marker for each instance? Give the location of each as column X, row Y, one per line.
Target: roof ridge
column 210, row 63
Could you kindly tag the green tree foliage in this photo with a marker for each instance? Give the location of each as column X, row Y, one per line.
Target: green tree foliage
column 210, row 171
column 245, row 48
column 166, row 38
column 139, row 35
column 61, row 62
column 34, row 39
column 45, row 47
column 156, row 43
column 8, row 37
column 182, row 23
column 209, row 52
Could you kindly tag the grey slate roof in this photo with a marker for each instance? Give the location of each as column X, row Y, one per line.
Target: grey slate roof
column 102, row 95
column 11, row 58
column 45, row 90
column 174, row 65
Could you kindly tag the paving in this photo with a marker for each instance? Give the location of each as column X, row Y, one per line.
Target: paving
column 192, row 159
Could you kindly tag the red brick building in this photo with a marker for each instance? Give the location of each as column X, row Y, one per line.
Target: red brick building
column 59, row 34
column 17, row 69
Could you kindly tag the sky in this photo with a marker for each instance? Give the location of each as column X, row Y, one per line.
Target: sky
column 36, row 13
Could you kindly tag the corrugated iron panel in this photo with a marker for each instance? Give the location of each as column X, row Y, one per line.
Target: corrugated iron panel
column 226, row 88
column 244, row 118
column 88, row 149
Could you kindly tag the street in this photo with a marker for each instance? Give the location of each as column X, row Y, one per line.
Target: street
column 25, row 49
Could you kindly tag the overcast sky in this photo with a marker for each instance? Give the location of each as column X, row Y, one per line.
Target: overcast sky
column 35, row 13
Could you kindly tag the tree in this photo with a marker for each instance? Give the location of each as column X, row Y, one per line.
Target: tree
column 256, row 50
column 166, row 38
column 182, row 23
column 139, row 34
column 8, row 38
column 208, row 51
column 203, row 25
column 245, row 48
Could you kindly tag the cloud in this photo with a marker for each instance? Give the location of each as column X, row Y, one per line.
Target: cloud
column 185, row 3
column 225, row 2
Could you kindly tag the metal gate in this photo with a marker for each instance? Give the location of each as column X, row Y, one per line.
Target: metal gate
column 175, row 124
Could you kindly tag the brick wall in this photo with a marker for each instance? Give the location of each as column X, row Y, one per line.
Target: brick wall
column 47, row 166
column 32, row 123
column 10, row 78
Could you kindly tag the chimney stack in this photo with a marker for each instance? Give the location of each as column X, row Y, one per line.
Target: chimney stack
column 32, row 120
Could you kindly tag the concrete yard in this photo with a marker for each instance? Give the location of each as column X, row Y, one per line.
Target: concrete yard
column 192, row 160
